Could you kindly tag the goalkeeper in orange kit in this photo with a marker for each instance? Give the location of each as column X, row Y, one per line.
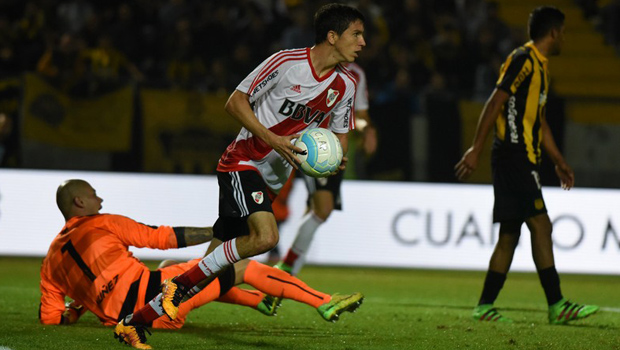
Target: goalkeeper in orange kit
column 89, row 262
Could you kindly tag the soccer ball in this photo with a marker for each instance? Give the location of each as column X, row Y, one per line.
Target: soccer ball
column 323, row 152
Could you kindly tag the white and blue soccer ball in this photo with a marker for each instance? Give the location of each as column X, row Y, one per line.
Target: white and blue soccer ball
column 323, row 152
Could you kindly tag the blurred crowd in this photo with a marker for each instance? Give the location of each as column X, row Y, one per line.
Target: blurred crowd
column 210, row 45
column 605, row 16
column 421, row 55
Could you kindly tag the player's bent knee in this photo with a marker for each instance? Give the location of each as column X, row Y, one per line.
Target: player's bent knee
column 267, row 240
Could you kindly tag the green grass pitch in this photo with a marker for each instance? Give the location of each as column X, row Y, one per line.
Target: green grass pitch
column 403, row 309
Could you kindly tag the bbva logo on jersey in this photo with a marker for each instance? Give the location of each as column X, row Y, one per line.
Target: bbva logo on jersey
column 298, row 111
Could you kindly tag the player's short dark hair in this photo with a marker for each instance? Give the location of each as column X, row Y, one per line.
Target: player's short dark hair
column 543, row 19
column 336, row 17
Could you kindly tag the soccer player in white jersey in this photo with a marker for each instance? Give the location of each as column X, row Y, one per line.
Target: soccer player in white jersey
column 324, row 193
column 291, row 91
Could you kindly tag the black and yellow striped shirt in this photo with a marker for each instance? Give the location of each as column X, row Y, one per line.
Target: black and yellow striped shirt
column 525, row 77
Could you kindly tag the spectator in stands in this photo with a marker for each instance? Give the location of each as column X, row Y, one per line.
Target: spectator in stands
column 172, row 11
column 440, row 107
column 29, row 34
column 73, row 14
column 92, row 30
column 107, row 67
column 300, row 32
column 218, row 79
column 376, row 22
column 60, row 63
column 9, row 64
column 447, row 50
column 482, row 53
column 494, row 23
column 126, row 33
column 485, row 77
column 470, row 14
column 184, row 68
column 397, row 99
column 214, row 18
column 242, row 59
column 432, row 33
column 411, row 11
column 610, row 22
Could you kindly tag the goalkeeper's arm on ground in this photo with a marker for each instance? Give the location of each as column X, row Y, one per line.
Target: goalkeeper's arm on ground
column 73, row 312
column 53, row 309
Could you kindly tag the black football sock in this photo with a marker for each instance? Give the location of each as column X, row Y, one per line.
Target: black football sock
column 493, row 283
column 550, row 282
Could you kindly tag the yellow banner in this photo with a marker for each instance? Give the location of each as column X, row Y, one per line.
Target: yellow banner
column 185, row 132
column 101, row 124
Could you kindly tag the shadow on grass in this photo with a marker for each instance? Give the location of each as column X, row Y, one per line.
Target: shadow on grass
column 469, row 308
column 252, row 336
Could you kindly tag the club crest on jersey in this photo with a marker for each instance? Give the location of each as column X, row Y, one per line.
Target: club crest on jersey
column 258, row 197
column 332, row 96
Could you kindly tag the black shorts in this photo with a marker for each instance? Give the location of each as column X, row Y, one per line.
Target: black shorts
column 241, row 194
column 330, row 183
column 517, row 190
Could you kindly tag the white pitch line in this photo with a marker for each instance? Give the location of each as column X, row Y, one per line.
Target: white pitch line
column 611, row 309
column 379, row 300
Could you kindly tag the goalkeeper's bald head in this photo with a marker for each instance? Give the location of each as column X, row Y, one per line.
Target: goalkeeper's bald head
column 77, row 197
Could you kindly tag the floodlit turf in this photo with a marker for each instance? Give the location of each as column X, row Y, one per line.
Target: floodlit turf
column 403, row 309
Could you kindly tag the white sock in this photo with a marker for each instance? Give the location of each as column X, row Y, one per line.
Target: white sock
column 298, row 264
column 156, row 305
column 224, row 255
column 305, row 234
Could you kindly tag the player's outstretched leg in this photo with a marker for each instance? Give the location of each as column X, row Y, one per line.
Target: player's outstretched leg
column 265, row 304
column 564, row 311
column 281, row 265
column 171, row 295
column 132, row 335
column 488, row 313
column 338, row 304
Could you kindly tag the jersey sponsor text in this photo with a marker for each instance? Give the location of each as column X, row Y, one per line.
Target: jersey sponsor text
column 263, row 83
column 300, row 111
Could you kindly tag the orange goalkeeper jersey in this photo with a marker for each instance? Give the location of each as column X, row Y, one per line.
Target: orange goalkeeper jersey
column 89, row 261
